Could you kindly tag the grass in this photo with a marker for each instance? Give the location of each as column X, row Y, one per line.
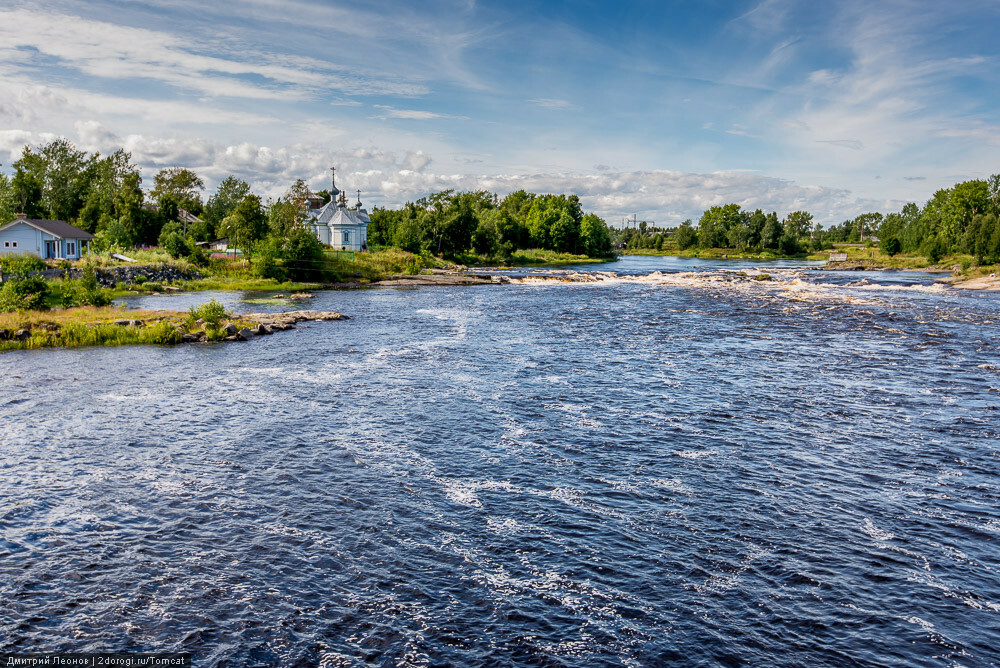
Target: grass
column 534, row 256
column 97, row 326
column 876, row 259
column 711, row 253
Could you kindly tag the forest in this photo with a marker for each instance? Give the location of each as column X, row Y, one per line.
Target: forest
column 963, row 219
column 104, row 195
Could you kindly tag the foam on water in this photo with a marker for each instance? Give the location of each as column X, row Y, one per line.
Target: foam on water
column 688, row 467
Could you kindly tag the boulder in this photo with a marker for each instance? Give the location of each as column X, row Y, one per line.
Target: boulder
column 190, row 338
column 260, row 330
column 22, row 335
column 245, row 334
column 4, row 334
column 229, row 328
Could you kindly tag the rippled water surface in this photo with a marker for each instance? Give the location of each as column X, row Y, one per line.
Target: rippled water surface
column 676, row 465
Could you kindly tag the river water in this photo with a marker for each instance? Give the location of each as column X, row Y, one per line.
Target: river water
column 676, row 464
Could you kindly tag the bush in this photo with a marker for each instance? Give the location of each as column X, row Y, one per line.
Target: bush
column 211, row 313
column 24, row 294
column 175, row 245
column 891, row 246
column 932, row 250
column 21, row 265
column 87, row 292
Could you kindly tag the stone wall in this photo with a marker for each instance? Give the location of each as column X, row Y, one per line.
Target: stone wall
column 109, row 277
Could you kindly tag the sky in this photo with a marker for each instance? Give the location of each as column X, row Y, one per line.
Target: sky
column 659, row 109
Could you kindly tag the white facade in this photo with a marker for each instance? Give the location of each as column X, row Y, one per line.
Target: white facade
column 338, row 226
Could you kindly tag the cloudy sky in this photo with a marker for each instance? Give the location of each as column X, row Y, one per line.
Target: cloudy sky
column 658, row 108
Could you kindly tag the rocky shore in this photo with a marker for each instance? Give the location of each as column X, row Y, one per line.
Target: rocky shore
column 75, row 327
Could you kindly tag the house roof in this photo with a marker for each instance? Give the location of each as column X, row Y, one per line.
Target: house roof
column 56, row 228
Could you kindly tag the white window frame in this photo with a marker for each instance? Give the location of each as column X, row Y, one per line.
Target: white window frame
column 346, row 237
column 70, row 248
column 6, row 244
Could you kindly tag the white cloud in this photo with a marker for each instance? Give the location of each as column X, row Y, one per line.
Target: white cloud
column 110, row 51
column 552, row 103
column 390, row 178
column 412, row 114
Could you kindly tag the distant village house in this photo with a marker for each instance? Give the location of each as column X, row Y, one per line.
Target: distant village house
column 48, row 239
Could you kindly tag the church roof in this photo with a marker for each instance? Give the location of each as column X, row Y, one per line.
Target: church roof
column 332, row 214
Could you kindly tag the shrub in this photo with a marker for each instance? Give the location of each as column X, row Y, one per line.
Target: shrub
column 21, row 265
column 932, row 250
column 87, row 292
column 891, row 245
column 175, row 245
column 211, row 313
column 140, row 279
column 24, row 294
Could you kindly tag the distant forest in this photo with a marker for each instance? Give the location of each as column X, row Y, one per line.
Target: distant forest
column 962, row 219
column 103, row 195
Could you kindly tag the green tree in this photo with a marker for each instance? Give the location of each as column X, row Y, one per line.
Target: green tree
column 799, row 223
column 595, row 238
column 246, row 224
column 772, row 232
column 230, row 192
column 6, row 200
column 28, row 183
column 715, row 223
column 686, row 236
column 129, row 214
column 181, row 182
column 890, row 246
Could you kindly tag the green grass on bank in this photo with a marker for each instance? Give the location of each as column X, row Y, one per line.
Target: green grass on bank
column 99, row 326
column 711, row 253
column 857, row 255
column 533, row 257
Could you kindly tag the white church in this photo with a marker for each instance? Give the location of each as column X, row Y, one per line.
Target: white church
column 335, row 224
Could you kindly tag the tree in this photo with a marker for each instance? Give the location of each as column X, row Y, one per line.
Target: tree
column 595, row 238
column 686, row 236
column 28, row 183
column 564, row 233
column 229, row 193
column 715, row 223
column 867, row 223
column 772, row 232
column 799, row 223
column 246, row 225
column 181, row 182
column 891, row 246
column 6, row 200
column 485, row 238
column 129, row 213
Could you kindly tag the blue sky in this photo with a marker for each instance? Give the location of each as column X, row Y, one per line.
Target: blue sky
column 655, row 108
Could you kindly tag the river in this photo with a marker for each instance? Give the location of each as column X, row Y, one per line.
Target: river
column 674, row 463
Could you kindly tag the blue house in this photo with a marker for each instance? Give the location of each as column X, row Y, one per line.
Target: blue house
column 48, row 239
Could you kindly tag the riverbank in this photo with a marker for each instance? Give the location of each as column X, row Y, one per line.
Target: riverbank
column 119, row 326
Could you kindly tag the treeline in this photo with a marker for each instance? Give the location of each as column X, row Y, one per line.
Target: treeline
column 962, row 219
column 103, row 195
column 451, row 223
column 730, row 226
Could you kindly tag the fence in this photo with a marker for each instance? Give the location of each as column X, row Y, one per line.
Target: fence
column 341, row 254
